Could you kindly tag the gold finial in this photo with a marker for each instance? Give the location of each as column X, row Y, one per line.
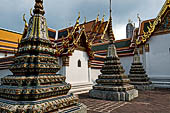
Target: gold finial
column 79, row 14
column 97, row 19
column 31, row 11
column 38, row 8
column 83, row 27
column 110, row 8
column 78, row 18
column 68, row 32
column 129, row 21
column 85, row 19
column 103, row 17
column 26, row 24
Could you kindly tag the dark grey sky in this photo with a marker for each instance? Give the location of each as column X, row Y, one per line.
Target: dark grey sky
column 62, row 13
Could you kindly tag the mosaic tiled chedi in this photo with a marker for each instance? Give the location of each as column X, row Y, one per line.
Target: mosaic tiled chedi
column 34, row 86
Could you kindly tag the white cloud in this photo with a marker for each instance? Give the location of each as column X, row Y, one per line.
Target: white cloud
column 119, row 32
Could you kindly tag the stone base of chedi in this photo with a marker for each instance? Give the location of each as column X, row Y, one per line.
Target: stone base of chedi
column 138, row 76
column 113, row 84
column 34, row 86
column 19, row 98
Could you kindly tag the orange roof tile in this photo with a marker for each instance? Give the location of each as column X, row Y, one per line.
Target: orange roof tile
column 10, row 36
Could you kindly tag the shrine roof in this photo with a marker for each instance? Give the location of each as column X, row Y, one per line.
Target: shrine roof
column 100, row 51
column 119, row 44
column 144, row 26
column 9, row 39
column 88, row 28
column 148, row 27
column 10, row 36
column 51, row 33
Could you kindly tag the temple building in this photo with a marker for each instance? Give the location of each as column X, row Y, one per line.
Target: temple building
column 75, row 54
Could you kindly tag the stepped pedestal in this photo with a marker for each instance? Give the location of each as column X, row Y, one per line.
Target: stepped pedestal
column 138, row 76
column 113, row 84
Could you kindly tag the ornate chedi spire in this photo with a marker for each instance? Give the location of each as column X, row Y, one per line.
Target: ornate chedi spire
column 113, row 84
column 138, row 76
column 111, row 35
column 34, row 86
column 38, row 29
column 39, row 9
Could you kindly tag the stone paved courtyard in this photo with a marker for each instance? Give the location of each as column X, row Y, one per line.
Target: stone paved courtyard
column 157, row 101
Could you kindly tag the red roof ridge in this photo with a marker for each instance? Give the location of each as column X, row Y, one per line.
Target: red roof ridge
column 123, row 40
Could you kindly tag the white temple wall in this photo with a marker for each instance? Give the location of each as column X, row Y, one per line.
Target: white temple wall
column 2, row 55
column 75, row 74
column 126, row 63
column 10, row 54
column 158, row 58
column 62, row 70
column 94, row 74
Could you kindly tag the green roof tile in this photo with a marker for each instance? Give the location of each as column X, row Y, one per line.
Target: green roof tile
column 120, row 44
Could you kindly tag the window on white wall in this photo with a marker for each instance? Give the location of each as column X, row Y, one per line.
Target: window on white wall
column 6, row 54
column 147, row 47
column 79, row 63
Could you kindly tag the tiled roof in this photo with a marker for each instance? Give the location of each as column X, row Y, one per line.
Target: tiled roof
column 100, row 51
column 9, row 39
column 73, row 38
column 148, row 27
column 144, row 26
column 51, row 33
column 119, row 44
column 90, row 28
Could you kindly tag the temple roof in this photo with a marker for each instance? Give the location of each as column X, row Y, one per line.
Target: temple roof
column 64, row 32
column 90, row 28
column 144, row 26
column 95, row 32
column 148, row 27
column 74, row 37
column 9, row 39
column 100, row 51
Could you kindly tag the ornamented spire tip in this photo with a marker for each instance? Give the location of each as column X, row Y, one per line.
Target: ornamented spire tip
column 97, row 19
column 38, row 8
column 110, row 8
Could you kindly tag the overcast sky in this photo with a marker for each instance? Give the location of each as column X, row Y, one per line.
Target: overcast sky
column 62, row 13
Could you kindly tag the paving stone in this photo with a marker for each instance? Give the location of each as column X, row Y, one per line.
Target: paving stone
column 157, row 101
